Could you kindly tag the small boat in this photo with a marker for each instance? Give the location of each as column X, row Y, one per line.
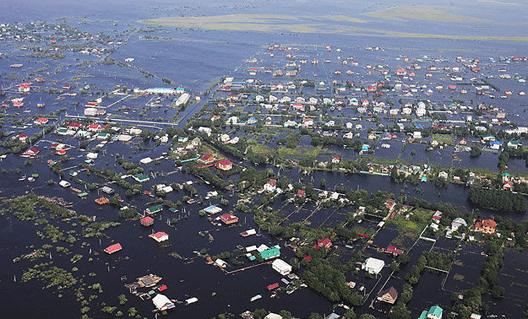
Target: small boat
column 41, row 104
column 22, row 178
column 257, row 297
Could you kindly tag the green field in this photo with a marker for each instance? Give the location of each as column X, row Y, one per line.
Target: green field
column 334, row 24
column 427, row 13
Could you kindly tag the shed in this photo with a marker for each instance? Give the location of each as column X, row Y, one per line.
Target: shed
column 113, row 248
column 107, row 190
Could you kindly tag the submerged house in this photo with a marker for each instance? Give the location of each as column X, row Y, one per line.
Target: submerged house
column 146, row 221
column 486, row 226
column 113, row 248
column 154, row 209
column 435, row 312
column 161, row 302
column 228, row 218
column 159, row 236
column 373, row 265
column 270, row 253
column 388, row 295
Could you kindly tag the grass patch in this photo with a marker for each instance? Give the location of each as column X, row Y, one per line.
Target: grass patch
column 443, row 139
column 338, row 17
column 421, row 13
column 416, row 222
column 299, row 152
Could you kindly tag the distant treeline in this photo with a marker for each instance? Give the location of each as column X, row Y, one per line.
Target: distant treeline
column 497, row 199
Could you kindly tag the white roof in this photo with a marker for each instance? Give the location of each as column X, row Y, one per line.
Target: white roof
column 251, row 231
column 91, row 155
column 145, row 160
column 374, row 265
column 459, row 221
column 64, row 183
column 272, row 315
column 281, row 264
column 251, row 248
column 161, row 301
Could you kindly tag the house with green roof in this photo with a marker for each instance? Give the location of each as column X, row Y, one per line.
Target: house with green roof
column 154, row 209
column 270, row 253
column 141, row 177
column 435, row 312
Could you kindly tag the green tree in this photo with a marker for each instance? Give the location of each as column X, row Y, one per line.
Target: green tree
column 350, row 314
column 259, row 313
column 400, row 311
column 475, row 151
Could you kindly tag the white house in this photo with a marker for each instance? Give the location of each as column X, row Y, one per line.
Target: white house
column 281, row 267
column 373, row 265
column 162, row 302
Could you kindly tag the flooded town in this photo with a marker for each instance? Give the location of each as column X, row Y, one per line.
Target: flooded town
column 232, row 161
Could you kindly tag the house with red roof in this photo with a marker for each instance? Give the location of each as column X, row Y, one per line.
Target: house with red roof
column 401, row 72
column 372, row 89
column 224, row 164
column 74, row 126
column 41, row 121
column 22, row 138
column 336, row 159
column 207, row 159
column 507, row 185
column 146, row 221
column 301, row 193
column 159, row 236
column 308, row 122
column 94, row 127
column 18, row 103
column 393, row 250
column 228, row 218
column 113, row 248
column 24, row 88
column 31, row 152
column 270, row 186
column 390, row 204
column 486, row 226
column 327, row 243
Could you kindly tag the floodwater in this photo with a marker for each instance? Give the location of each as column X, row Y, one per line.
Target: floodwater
column 196, row 59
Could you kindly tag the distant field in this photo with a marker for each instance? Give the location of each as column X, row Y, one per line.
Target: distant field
column 421, row 13
column 344, row 18
column 333, row 24
column 238, row 22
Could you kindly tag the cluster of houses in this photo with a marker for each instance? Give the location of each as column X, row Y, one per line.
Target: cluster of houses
column 482, row 226
column 95, row 131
